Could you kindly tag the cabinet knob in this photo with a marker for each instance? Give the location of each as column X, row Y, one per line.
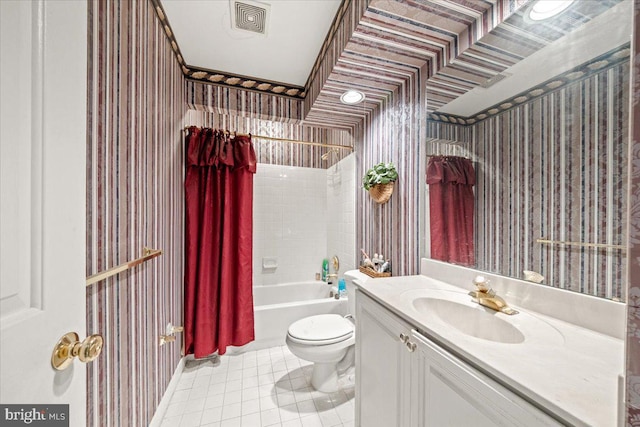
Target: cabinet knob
column 411, row 346
column 404, row 337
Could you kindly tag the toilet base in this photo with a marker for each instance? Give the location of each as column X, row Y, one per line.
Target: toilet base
column 324, row 377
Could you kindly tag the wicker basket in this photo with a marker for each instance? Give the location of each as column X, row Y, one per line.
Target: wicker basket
column 381, row 193
column 372, row 273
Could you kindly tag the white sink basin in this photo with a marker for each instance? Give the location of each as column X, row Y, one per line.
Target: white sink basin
column 450, row 312
column 475, row 321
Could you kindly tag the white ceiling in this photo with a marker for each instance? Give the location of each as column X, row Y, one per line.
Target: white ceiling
column 295, row 33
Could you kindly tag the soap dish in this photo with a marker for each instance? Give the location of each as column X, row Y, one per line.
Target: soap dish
column 533, row 276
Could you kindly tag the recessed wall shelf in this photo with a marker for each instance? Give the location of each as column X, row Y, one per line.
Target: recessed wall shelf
column 147, row 255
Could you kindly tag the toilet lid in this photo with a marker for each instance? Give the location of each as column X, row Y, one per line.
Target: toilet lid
column 323, row 327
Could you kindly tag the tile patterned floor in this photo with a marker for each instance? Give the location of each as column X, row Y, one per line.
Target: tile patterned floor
column 260, row 388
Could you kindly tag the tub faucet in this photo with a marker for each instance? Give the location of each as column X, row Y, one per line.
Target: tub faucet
column 487, row 297
column 330, row 278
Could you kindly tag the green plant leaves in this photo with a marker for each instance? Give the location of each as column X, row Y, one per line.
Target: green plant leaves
column 382, row 173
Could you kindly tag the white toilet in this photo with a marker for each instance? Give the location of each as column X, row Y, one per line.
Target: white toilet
column 327, row 340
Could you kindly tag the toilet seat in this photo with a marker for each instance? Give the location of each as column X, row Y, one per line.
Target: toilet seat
column 321, row 329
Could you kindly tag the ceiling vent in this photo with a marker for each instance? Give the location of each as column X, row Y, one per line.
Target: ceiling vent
column 493, row 80
column 247, row 15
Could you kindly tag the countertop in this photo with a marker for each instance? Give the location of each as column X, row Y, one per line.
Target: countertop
column 570, row 371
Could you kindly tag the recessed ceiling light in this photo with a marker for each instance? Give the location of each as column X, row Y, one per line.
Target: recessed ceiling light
column 352, row 97
column 544, row 9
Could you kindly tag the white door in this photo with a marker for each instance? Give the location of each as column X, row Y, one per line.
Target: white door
column 43, row 75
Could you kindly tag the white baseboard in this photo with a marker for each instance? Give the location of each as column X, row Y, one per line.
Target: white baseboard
column 156, row 421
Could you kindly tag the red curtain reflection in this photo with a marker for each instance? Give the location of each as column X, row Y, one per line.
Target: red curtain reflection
column 451, row 203
column 218, row 241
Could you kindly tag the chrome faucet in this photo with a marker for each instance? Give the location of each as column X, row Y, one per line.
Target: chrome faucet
column 487, row 297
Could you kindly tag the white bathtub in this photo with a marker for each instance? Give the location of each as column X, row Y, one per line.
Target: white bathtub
column 278, row 306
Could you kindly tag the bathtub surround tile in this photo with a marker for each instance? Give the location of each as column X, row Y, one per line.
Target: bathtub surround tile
column 290, row 223
column 341, row 200
column 283, row 399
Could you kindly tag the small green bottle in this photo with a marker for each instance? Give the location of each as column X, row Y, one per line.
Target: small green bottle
column 325, row 269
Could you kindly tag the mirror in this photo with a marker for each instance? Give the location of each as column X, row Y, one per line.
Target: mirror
column 548, row 138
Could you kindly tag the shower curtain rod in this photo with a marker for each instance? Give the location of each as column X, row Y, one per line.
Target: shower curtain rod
column 293, row 141
column 447, row 155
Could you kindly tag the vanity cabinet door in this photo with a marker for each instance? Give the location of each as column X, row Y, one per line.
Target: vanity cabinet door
column 448, row 392
column 382, row 366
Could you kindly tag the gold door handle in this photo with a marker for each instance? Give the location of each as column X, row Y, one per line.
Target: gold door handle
column 69, row 346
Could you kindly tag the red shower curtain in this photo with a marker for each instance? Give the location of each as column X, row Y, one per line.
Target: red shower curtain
column 218, row 241
column 451, row 180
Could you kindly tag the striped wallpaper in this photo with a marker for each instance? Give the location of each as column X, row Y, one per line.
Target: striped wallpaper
column 632, row 347
column 494, row 51
column 393, row 134
column 134, row 199
column 553, row 168
column 280, row 152
column 245, row 103
column 138, row 101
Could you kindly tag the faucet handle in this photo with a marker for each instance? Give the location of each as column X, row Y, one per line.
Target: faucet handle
column 482, row 284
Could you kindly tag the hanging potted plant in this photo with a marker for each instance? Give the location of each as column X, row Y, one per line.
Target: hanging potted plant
column 378, row 181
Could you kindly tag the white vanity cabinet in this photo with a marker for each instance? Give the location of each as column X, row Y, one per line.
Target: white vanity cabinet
column 383, row 366
column 410, row 381
column 448, row 392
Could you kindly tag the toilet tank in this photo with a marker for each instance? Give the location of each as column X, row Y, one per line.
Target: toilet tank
column 349, row 277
